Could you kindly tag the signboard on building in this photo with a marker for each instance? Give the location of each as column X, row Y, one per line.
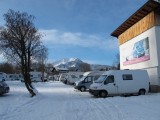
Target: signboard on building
column 137, row 52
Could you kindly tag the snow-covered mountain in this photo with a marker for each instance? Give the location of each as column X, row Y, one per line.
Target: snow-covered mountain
column 76, row 64
column 68, row 63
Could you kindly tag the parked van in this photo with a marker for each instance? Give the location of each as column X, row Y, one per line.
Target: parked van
column 36, row 76
column 72, row 77
column 121, row 82
column 63, row 77
column 87, row 79
column 14, row 77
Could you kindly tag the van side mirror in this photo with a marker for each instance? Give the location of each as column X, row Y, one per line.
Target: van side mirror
column 105, row 82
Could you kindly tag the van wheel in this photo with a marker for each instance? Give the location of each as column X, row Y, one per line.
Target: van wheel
column 141, row 92
column 82, row 89
column 103, row 94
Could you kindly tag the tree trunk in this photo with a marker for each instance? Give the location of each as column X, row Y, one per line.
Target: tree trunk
column 29, row 88
column 26, row 77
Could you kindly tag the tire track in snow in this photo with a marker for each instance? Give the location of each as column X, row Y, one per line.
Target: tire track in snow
column 115, row 108
column 73, row 109
column 103, row 111
column 108, row 108
column 12, row 111
column 75, row 106
column 85, row 108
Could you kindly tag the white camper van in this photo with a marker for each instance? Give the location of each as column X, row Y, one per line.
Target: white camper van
column 63, row 77
column 13, row 77
column 36, row 76
column 72, row 77
column 122, row 82
column 87, row 79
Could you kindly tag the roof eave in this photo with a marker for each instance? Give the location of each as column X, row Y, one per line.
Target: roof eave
column 138, row 15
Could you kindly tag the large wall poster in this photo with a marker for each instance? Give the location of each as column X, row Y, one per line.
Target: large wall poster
column 137, row 52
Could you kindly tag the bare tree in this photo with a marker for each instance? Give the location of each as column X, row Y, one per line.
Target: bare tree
column 85, row 67
column 116, row 62
column 41, row 58
column 7, row 68
column 20, row 43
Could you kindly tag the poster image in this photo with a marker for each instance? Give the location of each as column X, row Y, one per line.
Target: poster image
column 138, row 52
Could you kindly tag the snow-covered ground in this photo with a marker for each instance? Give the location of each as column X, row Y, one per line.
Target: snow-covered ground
column 57, row 101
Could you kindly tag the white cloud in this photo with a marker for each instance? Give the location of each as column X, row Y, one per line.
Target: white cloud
column 55, row 37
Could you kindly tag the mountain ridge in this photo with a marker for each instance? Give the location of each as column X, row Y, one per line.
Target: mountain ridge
column 76, row 64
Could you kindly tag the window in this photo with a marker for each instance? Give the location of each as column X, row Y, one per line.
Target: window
column 10, row 76
column 110, row 79
column 88, row 79
column 39, row 75
column 31, row 75
column 101, row 79
column 127, row 77
column 96, row 77
column 73, row 76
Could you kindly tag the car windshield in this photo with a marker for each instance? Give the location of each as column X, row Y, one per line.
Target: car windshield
column 101, row 79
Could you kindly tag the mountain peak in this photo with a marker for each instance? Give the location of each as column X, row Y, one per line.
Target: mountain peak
column 68, row 62
column 75, row 63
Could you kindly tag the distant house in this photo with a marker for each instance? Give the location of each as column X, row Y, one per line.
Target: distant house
column 139, row 41
column 59, row 70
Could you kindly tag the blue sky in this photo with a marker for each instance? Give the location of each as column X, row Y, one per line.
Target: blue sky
column 77, row 28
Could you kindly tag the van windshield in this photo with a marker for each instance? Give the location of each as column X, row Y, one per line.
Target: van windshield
column 101, row 79
column 81, row 79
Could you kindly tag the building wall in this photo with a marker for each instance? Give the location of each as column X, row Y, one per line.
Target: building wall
column 141, row 26
column 151, row 57
column 157, row 30
column 157, row 19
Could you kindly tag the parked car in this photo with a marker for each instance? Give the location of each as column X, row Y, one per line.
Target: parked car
column 88, row 77
column 121, row 82
column 4, row 88
column 3, row 76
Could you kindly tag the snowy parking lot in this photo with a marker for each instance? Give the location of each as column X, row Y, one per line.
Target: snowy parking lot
column 57, row 101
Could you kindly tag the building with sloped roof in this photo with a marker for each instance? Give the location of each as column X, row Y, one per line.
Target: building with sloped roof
column 139, row 41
